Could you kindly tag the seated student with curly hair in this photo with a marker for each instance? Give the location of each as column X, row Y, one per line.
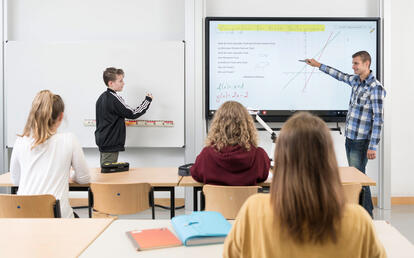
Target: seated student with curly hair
column 231, row 155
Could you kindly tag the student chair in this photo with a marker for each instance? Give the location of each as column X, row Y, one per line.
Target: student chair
column 116, row 199
column 352, row 192
column 29, row 206
column 226, row 199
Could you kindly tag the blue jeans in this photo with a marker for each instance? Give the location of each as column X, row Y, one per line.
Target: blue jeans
column 356, row 153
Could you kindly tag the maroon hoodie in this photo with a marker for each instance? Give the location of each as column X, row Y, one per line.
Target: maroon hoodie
column 233, row 165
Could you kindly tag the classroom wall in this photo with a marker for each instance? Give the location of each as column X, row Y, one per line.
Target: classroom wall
column 169, row 20
column 293, row 8
column 77, row 20
column 74, row 20
column 95, row 20
column 402, row 94
column 3, row 153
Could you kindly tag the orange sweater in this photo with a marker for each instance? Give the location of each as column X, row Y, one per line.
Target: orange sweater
column 254, row 234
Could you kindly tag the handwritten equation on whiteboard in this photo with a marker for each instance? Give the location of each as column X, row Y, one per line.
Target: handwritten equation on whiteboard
column 137, row 123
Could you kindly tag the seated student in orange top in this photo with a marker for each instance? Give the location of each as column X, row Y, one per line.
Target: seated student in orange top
column 231, row 155
column 305, row 214
column 42, row 157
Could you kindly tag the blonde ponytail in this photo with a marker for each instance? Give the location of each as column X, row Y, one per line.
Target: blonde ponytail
column 46, row 108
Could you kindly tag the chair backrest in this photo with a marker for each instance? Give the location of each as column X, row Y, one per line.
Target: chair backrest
column 352, row 191
column 227, row 199
column 29, row 206
column 121, row 198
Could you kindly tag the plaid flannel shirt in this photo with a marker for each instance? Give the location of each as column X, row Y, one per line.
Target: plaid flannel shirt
column 365, row 114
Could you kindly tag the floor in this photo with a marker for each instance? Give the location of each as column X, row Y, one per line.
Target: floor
column 400, row 216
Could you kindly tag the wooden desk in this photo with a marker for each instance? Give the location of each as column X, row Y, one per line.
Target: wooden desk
column 153, row 176
column 395, row 244
column 347, row 174
column 48, row 237
column 161, row 179
column 114, row 242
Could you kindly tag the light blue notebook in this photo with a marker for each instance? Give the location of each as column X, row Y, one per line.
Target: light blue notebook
column 201, row 227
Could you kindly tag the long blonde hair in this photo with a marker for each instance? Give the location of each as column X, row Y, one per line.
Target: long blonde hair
column 306, row 192
column 46, row 108
column 232, row 124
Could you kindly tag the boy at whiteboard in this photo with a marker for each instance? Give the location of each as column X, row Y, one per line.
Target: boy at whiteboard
column 111, row 111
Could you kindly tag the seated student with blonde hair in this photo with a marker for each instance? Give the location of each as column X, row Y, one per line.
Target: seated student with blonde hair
column 42, row 158
column 231, row 155
column 305, row 214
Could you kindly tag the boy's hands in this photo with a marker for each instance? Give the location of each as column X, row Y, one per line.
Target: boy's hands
column 150, row 95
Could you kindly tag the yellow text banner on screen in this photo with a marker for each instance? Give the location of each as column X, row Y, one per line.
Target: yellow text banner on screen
column 272, row 27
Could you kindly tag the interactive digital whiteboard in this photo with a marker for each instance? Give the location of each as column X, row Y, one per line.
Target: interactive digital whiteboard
column 255, row 61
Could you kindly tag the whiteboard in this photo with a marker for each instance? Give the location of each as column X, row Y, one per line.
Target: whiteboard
column 256, row 62
column 74, row 71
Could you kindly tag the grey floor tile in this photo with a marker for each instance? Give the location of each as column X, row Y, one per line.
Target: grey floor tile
column 401, row 217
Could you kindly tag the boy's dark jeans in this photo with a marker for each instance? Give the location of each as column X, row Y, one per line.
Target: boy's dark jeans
column 356, row 153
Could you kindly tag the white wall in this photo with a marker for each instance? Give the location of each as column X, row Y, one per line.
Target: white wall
column 95, row 20
column 175, row 19
column 3, row 152
column 293, row 8
column 402, row 95
column 74, row 20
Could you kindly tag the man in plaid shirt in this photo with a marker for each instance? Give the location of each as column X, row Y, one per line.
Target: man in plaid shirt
column 365, row 114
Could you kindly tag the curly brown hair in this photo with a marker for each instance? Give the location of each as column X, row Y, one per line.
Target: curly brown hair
column 232, row 124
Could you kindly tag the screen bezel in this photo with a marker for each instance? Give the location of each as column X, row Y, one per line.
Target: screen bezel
column 283, row 115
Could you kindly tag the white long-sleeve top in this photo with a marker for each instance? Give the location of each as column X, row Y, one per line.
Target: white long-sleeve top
column 46, row 168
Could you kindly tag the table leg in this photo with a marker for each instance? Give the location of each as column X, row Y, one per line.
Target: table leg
column 202, row 201
column 361, row 196
column 170, row 189
column 195, row 199
column 13, row 189
column 196, row 189
column 172, row 200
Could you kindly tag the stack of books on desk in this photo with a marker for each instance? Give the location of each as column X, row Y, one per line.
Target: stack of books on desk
column 198, row 228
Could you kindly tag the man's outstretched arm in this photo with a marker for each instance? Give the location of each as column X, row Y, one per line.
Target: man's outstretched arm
column 340, row 76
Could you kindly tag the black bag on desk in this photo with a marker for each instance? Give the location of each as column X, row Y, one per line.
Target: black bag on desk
column 184, row 170
column 114, row 167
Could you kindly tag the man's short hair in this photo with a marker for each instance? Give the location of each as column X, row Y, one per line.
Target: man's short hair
column 110, row 74
column 364, row 55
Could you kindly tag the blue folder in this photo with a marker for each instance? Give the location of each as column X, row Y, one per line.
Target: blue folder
column 202, row 227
